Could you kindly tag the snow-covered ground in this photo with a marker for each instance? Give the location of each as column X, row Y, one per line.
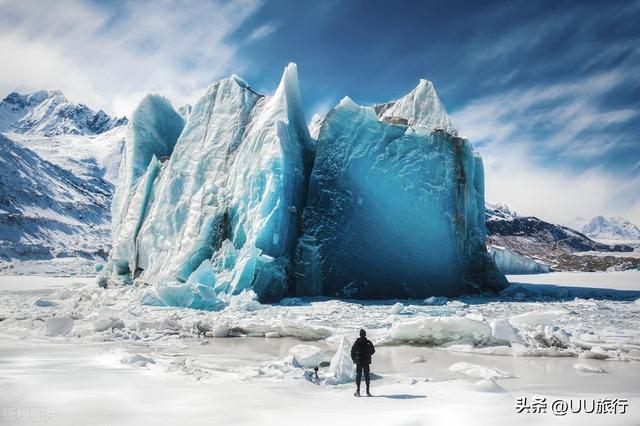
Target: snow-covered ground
column 59, row 267
column 79, row 354
column 619, row 280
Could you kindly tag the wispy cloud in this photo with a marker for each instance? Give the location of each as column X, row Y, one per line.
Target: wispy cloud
column 262, row 32
column 110, row 57
column 533, row 138
column 556, row 116
column 555, row 193
column 550, row 131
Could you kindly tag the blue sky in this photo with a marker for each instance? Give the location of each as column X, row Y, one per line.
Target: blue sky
column 548, row 92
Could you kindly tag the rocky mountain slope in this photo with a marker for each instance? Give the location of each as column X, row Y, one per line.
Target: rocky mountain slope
column 557, row 246
column 47, row 211
column 59, row 164
column 49, row 113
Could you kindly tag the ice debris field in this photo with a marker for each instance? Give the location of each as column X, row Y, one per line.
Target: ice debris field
column 386, row 201
column 522, row 320
column 562, row 340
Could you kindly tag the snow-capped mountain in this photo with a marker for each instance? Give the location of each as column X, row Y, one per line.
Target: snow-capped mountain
column 60, row 162
column 47, row 211
column 557, row 246
column 49, row 113
column 612, row 228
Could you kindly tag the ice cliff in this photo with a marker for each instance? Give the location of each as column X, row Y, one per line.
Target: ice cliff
column 510, row 262
column 386, row 203
column 394, row 210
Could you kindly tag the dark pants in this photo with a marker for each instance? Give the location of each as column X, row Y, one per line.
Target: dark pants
column 359, row 369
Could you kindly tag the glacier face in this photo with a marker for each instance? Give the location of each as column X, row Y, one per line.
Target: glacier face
column 154, row 129
column 394, row 210
column 386, row 203
column 510, row 262
column 223, row 215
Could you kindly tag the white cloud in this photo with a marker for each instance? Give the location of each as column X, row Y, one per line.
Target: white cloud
column 557, row 194
column 262, row 32
column 521, row 132
column 111, row 57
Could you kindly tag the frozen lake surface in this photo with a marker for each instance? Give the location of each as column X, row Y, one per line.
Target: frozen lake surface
column 82, row 355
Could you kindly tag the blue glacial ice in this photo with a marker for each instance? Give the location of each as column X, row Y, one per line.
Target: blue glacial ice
column 386, row 203
column 394, row 210
column 153, row 131
column 224, row 212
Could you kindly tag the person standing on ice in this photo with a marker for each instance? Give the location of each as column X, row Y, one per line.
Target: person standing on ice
column 361, row 352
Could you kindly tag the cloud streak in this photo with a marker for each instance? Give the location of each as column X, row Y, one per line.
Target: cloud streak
column 110, row 57
column 261, row 32
column 532, row 140
column 555, row 123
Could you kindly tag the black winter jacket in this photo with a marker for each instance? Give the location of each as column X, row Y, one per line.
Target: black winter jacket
column 361, row 351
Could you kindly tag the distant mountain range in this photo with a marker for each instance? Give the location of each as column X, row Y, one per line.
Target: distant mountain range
column 609, row 229
column 59, row 165
column 49, row 113
column 556, row 246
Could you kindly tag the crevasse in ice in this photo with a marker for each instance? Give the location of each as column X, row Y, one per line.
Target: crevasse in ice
column 387, row 203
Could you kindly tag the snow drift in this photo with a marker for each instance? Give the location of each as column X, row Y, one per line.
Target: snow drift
column 386, row 204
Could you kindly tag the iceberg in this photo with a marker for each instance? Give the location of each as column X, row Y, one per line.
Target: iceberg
column 307, row 356
column 58, row 326
column 395, row 208
column 223, row 214
column 152, row 134
column 241, row 201
column 439, row 331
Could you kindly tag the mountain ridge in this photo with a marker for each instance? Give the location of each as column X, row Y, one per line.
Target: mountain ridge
column 557, row 246
column 611, row 228
column 50, row 113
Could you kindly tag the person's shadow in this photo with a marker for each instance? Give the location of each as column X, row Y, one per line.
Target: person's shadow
column 399, row 396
